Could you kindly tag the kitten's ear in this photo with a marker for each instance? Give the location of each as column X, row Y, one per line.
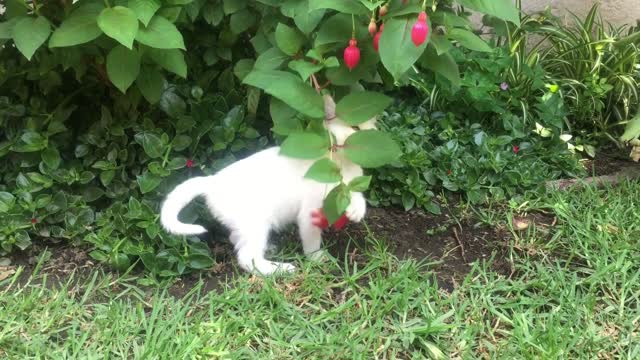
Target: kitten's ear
column 368, row 125
column 329, row 107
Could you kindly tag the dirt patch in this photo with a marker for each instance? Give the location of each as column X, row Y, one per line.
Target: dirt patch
column 608, row 162
column 448, row 247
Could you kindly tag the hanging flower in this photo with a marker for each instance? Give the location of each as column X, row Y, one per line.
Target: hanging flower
column 352, row 54
column 376, row 39
column 420, row 30
column 373, row 28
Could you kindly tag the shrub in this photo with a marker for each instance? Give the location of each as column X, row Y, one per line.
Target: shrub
column 501, row 131
column 103, row 111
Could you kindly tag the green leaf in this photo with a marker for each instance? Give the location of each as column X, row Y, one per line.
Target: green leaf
column 241, row 21
column 160, row 34
column 324, row 171
column 144, row 9
column 371, row 148
column 270, row 59
column 51, row 157
column 305, row 69
column 107, row 176
column 6, row 201
column 397, row 52
column 359, row 184
column 336, row 29
column 171, row 60
column 632, row 130
column 6, row 27
column 148, row 182
column 441, row 44
column 79, row 28
column 503, row 9
column 358, row 107
column 306, row 20
column 444, row 65
column 243, row 67
column 288, row 88
column 304, row 146
column 342, row 6
column 336, row 203
column 231, row 6
column 119, row 23
column 151, row 143
column 151, row 84
column 289, row 40
column 408, row 201
column 469, row 40
column 29, row 34
column 123, row 67
column 199, row 261
column 284, row 118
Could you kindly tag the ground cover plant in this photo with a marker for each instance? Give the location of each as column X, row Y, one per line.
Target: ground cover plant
column 569, row 290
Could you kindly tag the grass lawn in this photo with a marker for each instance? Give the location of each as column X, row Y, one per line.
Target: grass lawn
column 573, row 292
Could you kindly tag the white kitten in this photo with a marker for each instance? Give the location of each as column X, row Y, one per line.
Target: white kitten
column 263, row 192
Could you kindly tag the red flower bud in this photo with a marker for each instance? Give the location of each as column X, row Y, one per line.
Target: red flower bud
column 420, row 30
column 352, row 54
column 190, row 163
column 516, row 148
column 383, row 10
column 341, row 222
column 34, row 220
column 373, row 27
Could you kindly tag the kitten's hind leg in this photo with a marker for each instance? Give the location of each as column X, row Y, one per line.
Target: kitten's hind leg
column 250, row 243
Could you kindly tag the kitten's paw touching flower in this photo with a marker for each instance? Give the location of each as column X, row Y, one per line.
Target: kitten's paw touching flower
column 318, row 219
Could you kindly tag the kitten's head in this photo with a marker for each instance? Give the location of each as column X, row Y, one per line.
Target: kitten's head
column 336, row 126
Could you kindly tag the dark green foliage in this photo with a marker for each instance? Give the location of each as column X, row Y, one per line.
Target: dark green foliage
column 489, row 138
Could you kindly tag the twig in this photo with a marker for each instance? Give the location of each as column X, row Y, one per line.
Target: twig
column 464, row 256
column 315, row 83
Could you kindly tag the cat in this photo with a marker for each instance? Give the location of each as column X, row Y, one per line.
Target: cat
column 263, row 192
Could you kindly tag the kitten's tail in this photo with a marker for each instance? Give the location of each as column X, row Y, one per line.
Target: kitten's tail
column 178, row 199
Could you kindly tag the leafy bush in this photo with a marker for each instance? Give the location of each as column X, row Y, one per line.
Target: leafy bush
column 103, row 111
column 501, row 131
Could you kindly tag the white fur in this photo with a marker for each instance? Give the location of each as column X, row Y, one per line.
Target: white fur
column 263, row 192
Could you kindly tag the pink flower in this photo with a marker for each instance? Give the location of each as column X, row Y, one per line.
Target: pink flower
column 516, row 148
column 504, row 86
column 352, row 54
column 420, row 30
column 190, row 163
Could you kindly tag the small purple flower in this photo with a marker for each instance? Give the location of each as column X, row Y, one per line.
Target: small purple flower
column 504, row 86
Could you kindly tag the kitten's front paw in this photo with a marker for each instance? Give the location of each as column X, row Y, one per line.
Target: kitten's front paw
column 358, row 207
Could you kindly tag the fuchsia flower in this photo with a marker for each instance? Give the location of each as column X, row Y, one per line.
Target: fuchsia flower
column 420, row 30
column 516, row 148
column 352, row 54
column 190, row 163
